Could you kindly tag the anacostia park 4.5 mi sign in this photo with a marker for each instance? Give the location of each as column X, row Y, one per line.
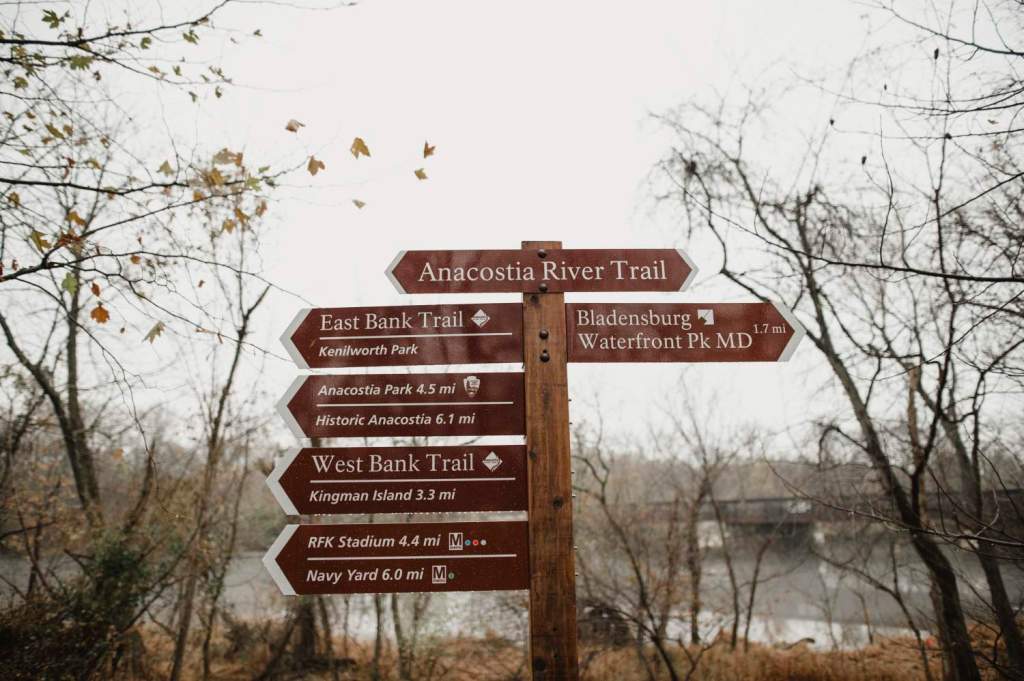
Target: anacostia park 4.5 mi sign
column 405, row 405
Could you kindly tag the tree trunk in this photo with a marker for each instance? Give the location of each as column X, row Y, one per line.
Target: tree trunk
column 378, row 640
column 404, row 652
column 970, row 482
column 325, row 624
column 305, row 621
column 694, row 564
column 948, row 610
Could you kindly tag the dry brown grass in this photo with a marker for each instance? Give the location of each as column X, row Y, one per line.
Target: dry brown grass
column 891, row 660
column 495, row 659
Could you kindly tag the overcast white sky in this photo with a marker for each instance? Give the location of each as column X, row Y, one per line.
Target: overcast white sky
column 540, row 112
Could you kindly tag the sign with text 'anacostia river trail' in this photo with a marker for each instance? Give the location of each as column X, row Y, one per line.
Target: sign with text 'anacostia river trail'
column 445, row 479
column 405, row 405
column 400, row 557
column 541, row 270
column 407, row 335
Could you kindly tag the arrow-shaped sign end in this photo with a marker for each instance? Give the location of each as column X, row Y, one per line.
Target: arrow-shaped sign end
column 281, row 464
column 390, row 272
column 798, row 331
column 270, row 560
column 282, row 407
column 693, row 269
column 286, row 338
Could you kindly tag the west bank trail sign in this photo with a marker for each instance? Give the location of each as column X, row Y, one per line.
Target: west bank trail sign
column 544, row 334
column 446, row 479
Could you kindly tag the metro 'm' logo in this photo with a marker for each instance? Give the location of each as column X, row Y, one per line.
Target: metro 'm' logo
column 439, row 574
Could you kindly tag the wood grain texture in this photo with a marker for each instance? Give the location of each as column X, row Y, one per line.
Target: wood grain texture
column 553, row 652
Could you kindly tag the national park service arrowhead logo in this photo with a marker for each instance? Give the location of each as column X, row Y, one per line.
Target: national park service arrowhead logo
column 492, row 461
column 472, row 385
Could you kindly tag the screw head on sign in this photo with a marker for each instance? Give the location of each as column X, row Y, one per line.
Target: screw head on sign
column 543, row 334
column 544, row 356
column 543, row 253
column 543, row 287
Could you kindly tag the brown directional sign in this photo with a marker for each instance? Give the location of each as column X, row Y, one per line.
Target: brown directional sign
column 400, row 557
column 326, row 480
column 554, row 270
column 399, row 405
column 675, row 332
column 407, row 335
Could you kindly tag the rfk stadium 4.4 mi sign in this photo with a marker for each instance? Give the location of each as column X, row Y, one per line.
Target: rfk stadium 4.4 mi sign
column 400, row 557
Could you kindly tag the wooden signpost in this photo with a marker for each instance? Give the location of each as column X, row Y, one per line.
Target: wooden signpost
column 448, row 479
column 545, row 334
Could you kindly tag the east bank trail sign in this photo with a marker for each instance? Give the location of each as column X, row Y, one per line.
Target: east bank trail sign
column 544, row 334
column 405, row 336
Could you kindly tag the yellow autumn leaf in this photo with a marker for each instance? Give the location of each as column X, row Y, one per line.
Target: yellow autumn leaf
column 228, row 225
column 198, row 195
column 40, row 241
column 157, row 329
column 74, row 217
column 226, row 156
column 117, row 454
column 135, row 259
column 100, row 314
column 95, row 288
column 427, row 150
column 261, row 208
column 359, row 147
column 241, row 215
column 315, row 166
column 165, row 168
column 358, row 203
column 14, row 199
column 420, row 173
column 293, row 125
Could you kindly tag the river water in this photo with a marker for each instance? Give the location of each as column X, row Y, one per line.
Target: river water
column 799, row 596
